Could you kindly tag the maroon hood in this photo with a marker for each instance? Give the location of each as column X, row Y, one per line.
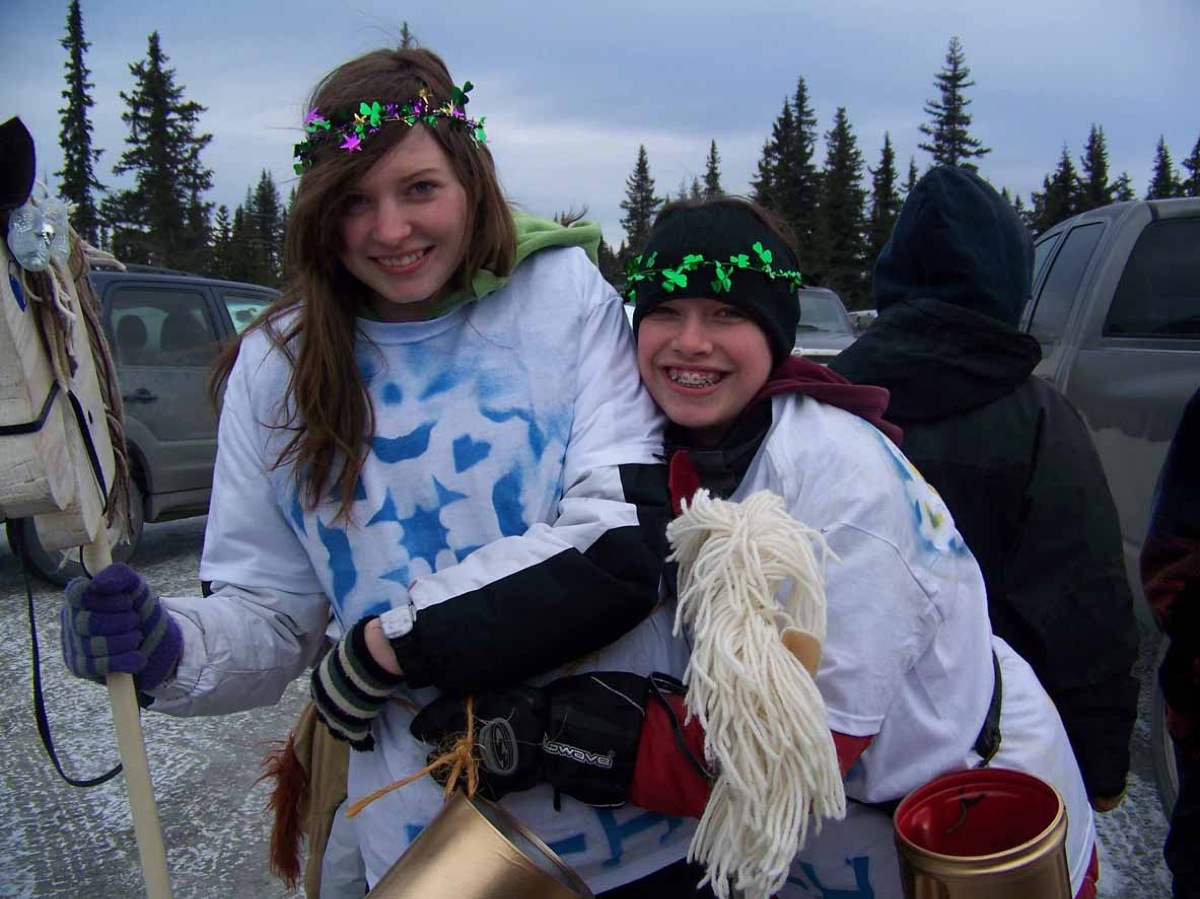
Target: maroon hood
column 797, row 375
column 794, row 375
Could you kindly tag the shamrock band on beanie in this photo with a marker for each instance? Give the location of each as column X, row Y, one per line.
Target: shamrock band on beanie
column 721, row 251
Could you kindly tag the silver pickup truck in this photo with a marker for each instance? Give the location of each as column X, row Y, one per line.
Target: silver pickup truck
column 1116, row 308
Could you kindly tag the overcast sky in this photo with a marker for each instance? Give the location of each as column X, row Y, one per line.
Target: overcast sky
column 571, row 89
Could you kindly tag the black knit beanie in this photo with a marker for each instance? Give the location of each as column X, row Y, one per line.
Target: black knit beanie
column 720, row 233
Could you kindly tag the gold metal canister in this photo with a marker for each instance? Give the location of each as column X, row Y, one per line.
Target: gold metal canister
column 473, row 849
column 986, row 833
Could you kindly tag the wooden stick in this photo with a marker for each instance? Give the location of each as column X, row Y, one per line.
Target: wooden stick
column 131, row 745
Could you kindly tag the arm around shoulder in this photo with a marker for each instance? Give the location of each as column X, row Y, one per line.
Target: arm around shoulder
column 567, row 587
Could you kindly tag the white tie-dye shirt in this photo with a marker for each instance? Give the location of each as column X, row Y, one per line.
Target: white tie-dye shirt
column 503, row 432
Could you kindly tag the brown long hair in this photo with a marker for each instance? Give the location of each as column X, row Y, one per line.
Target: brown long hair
column 330, row 414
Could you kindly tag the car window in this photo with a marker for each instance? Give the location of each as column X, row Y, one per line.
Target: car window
column 245, row 307
column 1041, row 253
column 823, row 311
column 1053, row 304
column 1159, row 291
column 161, row 327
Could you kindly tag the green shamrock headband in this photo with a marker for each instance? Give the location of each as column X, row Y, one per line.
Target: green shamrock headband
column 371, row 117
column 642, row 268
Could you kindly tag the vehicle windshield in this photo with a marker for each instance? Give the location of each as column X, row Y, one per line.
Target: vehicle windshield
column 823, row 311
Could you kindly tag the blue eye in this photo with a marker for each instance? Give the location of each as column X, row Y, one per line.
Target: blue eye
column 423, row 188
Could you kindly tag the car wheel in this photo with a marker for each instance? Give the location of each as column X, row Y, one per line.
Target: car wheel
column 58, row 568
column 1162, row 747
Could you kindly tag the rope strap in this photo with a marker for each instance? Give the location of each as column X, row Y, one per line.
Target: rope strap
column 39, row 706
column 460, row 759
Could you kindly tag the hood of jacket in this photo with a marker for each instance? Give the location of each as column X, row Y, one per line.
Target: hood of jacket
column 937, row 359
column 533, row 234
column 958, row 241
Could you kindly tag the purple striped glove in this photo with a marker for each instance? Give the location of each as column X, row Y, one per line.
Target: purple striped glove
column 112, row 624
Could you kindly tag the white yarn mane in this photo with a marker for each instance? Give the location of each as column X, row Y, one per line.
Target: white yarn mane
column 766, row 729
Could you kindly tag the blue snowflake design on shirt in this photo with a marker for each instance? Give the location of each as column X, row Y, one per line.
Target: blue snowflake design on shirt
column 466, row 450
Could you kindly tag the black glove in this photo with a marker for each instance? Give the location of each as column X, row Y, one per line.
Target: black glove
column 508, row 734
column 580, row 734
column 592, row 734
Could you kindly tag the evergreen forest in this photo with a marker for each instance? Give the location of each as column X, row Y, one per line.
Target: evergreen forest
column 839, row 199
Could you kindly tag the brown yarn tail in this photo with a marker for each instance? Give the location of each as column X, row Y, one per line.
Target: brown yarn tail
column 287, row 801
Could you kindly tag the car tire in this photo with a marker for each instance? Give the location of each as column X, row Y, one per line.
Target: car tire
column 1162, row 747
column 58, row 568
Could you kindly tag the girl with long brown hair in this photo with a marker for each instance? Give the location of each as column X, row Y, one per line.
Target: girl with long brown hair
column 433, row 448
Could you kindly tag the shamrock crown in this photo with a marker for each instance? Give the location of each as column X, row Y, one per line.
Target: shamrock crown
column 643, row 268
column 371, row 117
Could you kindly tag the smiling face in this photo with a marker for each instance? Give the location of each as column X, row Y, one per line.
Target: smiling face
column 702, row 361
column 404, row 228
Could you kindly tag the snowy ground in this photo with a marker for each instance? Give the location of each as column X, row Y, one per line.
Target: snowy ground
column 58, row 841
column 64, row 842
column 1131, row 836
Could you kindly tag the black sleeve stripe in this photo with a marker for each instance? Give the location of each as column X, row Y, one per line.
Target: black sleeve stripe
column 646, row 487
column 545, row 616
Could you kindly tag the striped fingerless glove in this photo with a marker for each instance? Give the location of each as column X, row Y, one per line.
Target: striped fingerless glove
column 349, row 688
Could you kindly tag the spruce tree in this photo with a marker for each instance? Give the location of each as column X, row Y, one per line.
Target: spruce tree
column 772, row 166
column 885, row 201
column 267, row 223
column 162, row 220
column 913, row 176
column 284, row 218
column 222, row 243
column 1094, row 187
column 951, row 142
column 1059, row 198
column 1189, row 185
column 1163, row 182
column 640, row 205
column 607, row 262
column 712, row 173
column 788, row 181
column 799, row 185
column 241, row 260
column 688, row 190
column 1123, row 188
column 842, row 204
column 197, row 231
column 77, row 178
column 762, row 185
column 1022, row 211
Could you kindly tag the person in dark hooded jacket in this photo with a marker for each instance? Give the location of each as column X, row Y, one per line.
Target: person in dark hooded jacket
column 1170, row 563
column 1009, row 454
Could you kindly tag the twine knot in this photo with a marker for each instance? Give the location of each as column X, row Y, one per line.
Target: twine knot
column 459, row 758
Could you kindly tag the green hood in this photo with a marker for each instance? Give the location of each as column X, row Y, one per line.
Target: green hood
column 533, row 234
